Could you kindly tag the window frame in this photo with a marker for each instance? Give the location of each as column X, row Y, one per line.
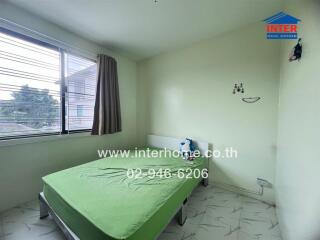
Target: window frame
column 63, row 87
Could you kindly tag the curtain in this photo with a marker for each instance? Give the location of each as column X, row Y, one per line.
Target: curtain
column 107, row 114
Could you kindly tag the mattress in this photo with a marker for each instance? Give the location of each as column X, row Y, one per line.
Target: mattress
column 99, row 200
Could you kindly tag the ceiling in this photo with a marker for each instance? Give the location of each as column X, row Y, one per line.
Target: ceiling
column 142, row 28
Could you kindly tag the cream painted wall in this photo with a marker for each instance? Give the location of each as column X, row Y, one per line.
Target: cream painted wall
column 189, row 93
column 298, row 163
column 22, row 166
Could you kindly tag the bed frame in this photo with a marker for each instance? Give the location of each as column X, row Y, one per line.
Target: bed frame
column 153, row 141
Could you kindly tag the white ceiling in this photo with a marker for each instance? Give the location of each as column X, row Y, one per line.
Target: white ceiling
column 143, row 28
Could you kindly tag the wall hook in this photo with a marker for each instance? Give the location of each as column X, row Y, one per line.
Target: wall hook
column 296, row 52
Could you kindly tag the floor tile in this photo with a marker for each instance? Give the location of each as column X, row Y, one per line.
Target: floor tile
column 213, row 213
column 23, row 222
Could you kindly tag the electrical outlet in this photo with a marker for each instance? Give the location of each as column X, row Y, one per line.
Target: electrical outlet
column 264, row 183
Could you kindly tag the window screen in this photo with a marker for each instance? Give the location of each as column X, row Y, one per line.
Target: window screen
column 29, row 87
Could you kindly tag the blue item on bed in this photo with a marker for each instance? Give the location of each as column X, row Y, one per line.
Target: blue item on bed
column 187, row 149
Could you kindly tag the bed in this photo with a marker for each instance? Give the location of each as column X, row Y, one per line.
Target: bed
column 99, row 200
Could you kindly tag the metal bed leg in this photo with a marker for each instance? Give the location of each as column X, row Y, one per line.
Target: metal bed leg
column 205, row 182
column 182, row 214
column 44, row 210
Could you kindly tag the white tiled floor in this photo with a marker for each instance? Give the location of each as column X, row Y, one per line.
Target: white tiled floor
column 213, row 214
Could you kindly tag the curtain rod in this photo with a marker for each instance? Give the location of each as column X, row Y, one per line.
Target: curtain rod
column 64, row 44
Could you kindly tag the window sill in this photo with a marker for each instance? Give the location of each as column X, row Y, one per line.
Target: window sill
column 30, row 140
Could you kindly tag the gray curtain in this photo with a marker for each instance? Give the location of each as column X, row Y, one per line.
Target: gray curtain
column 107, row 114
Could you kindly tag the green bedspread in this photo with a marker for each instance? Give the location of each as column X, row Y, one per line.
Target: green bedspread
column 98, row 201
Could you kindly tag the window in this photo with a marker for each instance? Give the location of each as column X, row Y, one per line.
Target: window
column 43, row 89
column 80, row 76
